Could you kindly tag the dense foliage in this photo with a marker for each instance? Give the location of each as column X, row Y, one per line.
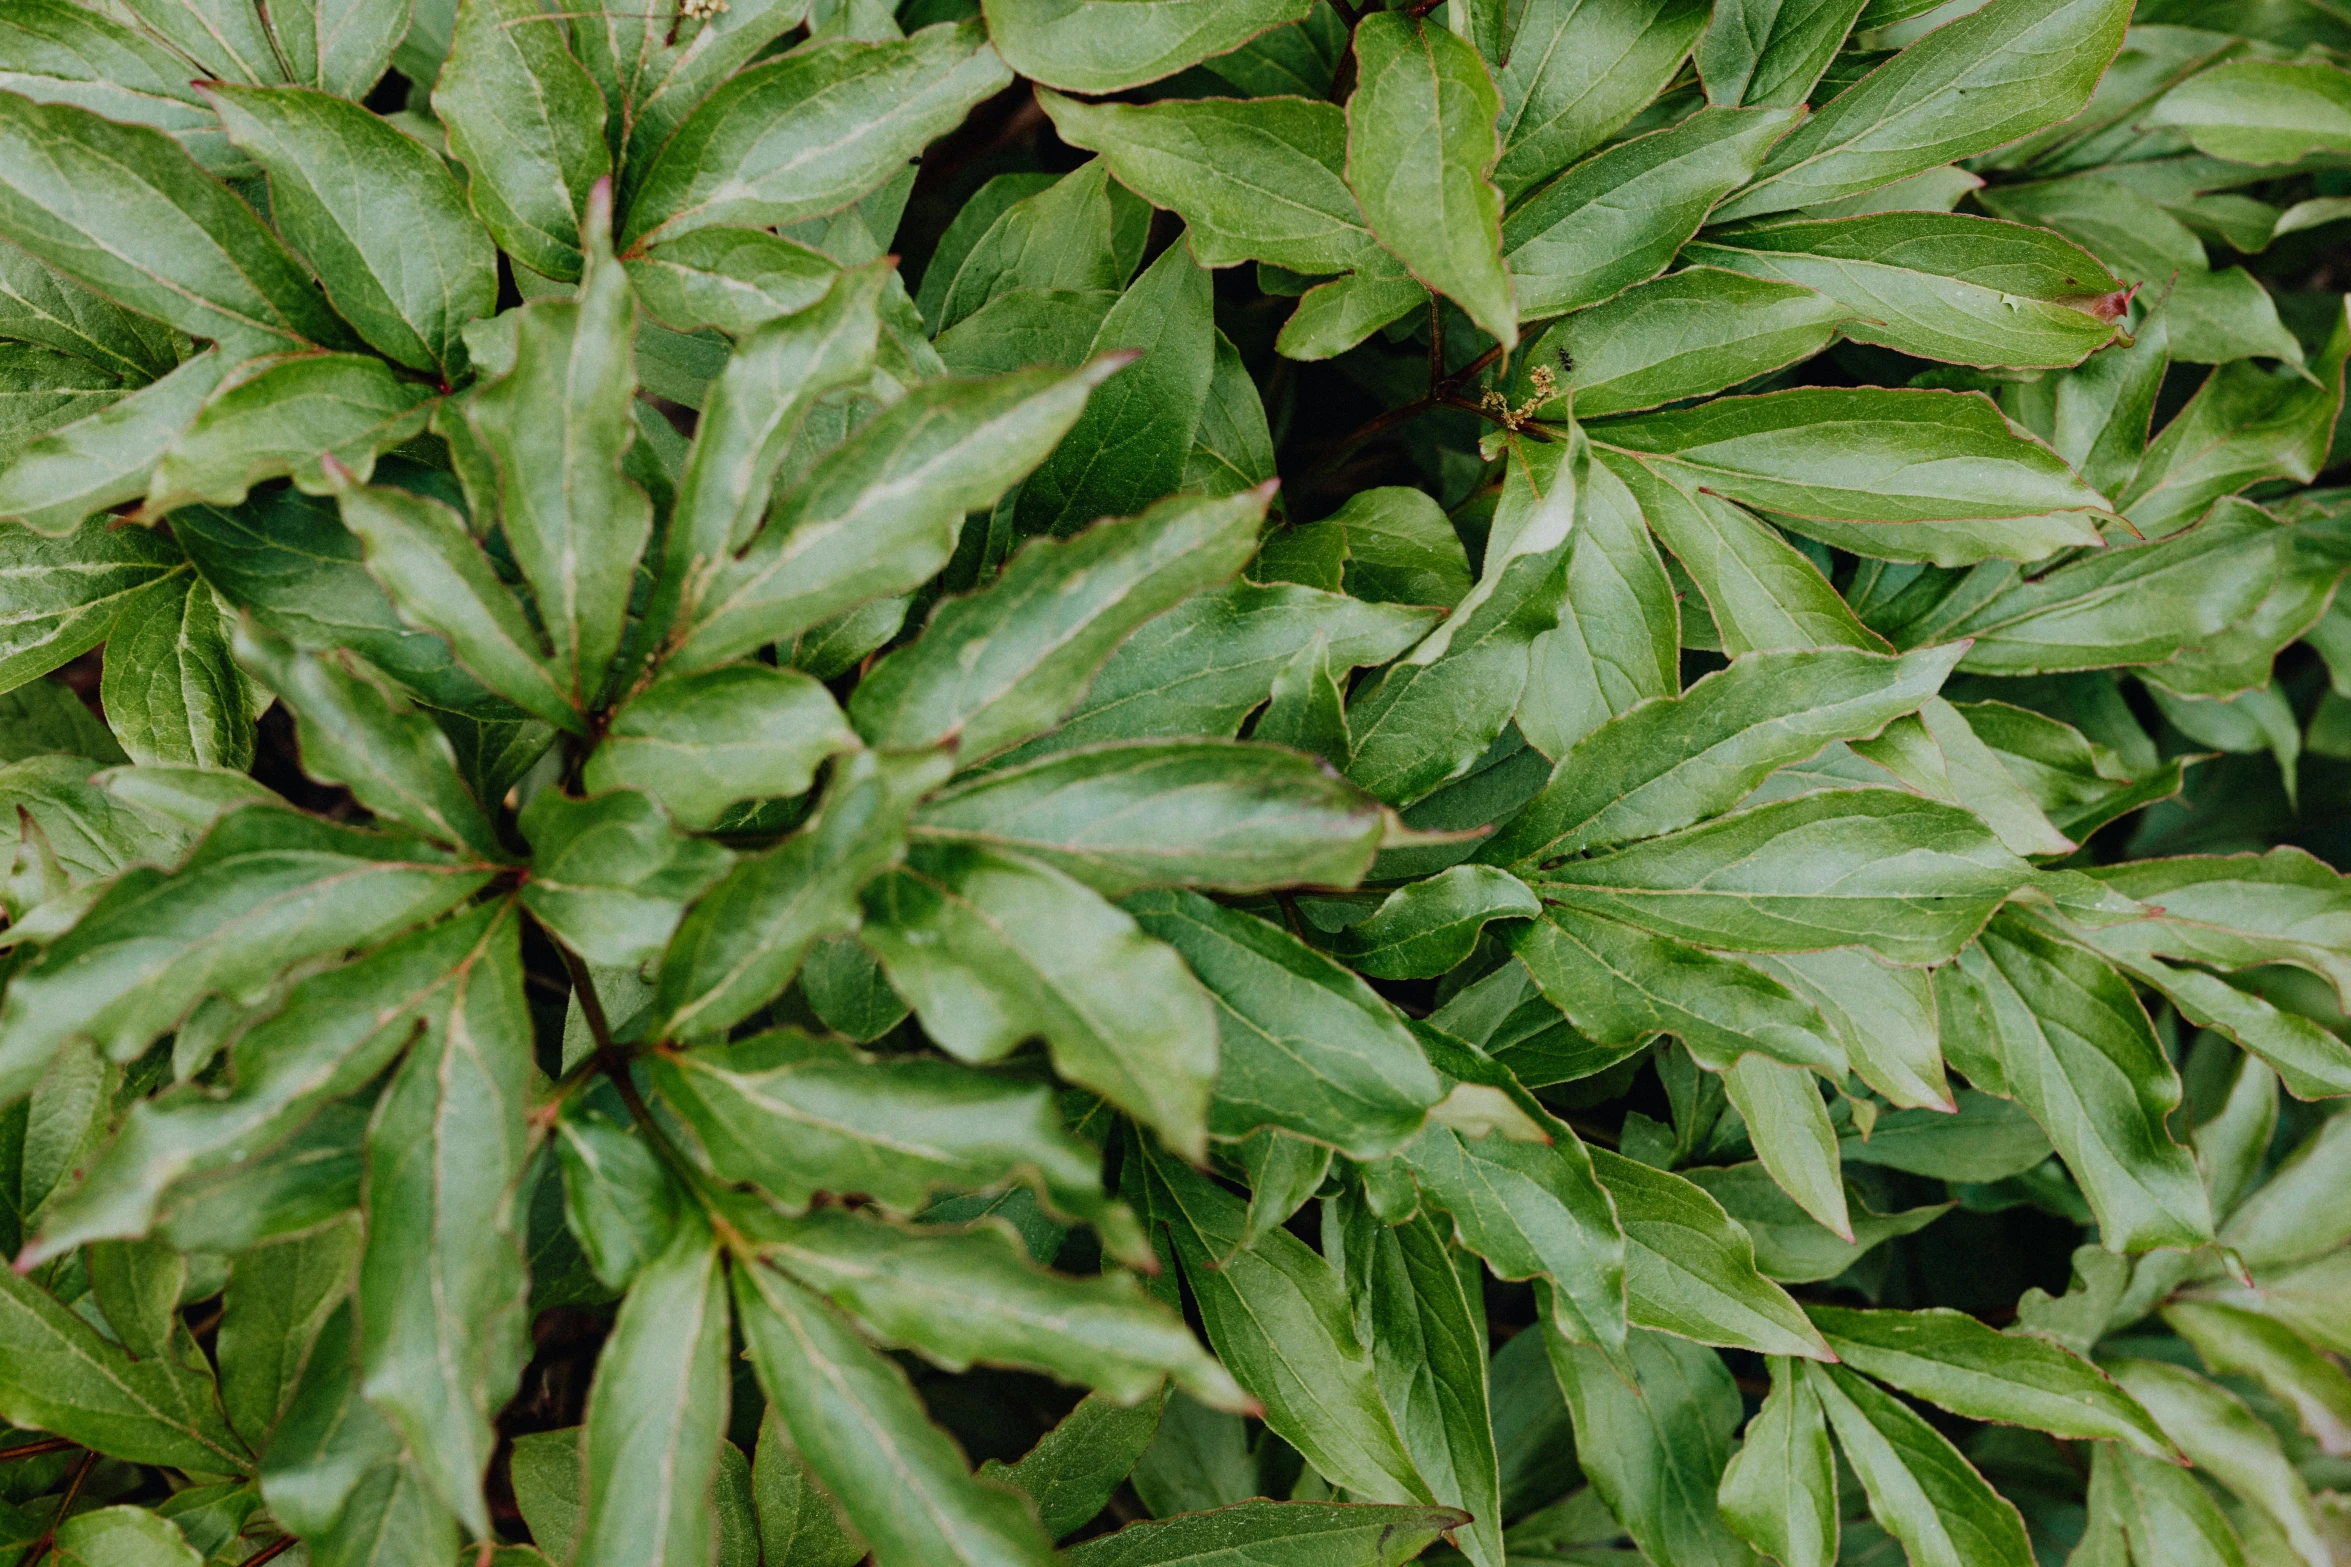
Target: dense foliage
column 1532, row 780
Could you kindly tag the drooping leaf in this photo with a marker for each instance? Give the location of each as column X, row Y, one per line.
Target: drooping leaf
column 443, row 1330
column 657, row 1414
column 1921, row 1491
column 852, row 1415
column 1278, row 1317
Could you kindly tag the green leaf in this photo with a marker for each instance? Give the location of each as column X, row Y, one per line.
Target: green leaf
column 610, row 875
column 618, row 1199
column 66, row 593
column 1990, row 77
column 55, row 482
column 1965, row 290
column 1421, row 152
column 1058, row 238
column 1434, row 713
column 880, row 513
column 1654, row 1446
column 1909, row 879
column 439, row 581
column 1690, row 1271
column 287, row 1068
column 960, row 1296
column 990, row 949
column 2261, row 111
column 265, row 890
column 1280, row 1321
column 1201, row 667
column 443, row 1329
column 394, row 760
column 734, row 279
column 136, row 1286
column 1533, row 1210
column 123, row 1537
column 1893, row 456
column 1305, row 1046
column 304, row 415
column 1937, row 754
column 174, row 694
column 45, row 391
column 1425, row 1328
column 1779, row 1490
column 2292, row 1216
column 1426, row 927
column 2245, row 423
column 280, row 1301
column 2234, row 1342
column 1618, row 217
column 1619, row 635
column 1335, row 316
column 1978, row 1373
column 1769, row 52
column 60, row 1375
column 865, row 1434
column 753, row 414
column 1790, row 1129
column 654, row 68
column 698, row 743
column 802, row 1117
column 1574, row 74
column 408, row 266
column 1668, row 763
column 1072, row 1471
column 1388, row 546
column 2088, row 612
column 1308, row 710
column 657, row 1413
column 1261, row 180
column 742, row 942
column 2077, row 1050
column 809, row 131
column 1755, row 590
column 1120, row 817
column 993, row 669
column 1687, row 335
column 1105, row 46
column 1985, row 1139
column 53, row 51
column 125, row 210
column 1279, row 1534
column 1791, row 1247
column 2226, row 1440
column 1620, row 986
column 1130, row 446
column 1921, row 1491
column 527, row 122
column 556, row 428
column 2167, row 1517
column 799, row 1525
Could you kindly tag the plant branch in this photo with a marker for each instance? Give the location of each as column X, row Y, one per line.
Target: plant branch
column 48, row 1540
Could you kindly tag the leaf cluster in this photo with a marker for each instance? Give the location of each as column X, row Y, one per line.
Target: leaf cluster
column 1174, row 781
